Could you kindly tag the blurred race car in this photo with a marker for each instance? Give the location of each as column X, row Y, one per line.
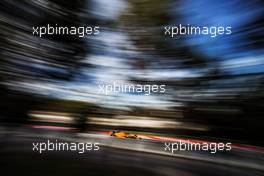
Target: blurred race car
column 122, row 134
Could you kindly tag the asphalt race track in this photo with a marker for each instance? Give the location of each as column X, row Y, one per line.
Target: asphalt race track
column 17, row 158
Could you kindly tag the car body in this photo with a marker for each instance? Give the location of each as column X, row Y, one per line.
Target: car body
column 122, row 134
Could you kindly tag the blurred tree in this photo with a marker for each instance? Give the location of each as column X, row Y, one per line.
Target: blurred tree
column 26, row 58
column 208, row 98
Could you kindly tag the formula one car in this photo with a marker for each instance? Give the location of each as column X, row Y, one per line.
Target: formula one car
column 122, row 134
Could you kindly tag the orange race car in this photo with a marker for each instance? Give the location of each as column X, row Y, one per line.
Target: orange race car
column 122, row 134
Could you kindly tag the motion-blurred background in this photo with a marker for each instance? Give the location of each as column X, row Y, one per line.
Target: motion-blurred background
column 214, row 86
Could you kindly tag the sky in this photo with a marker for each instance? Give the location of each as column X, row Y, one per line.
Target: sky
column 229, row 49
